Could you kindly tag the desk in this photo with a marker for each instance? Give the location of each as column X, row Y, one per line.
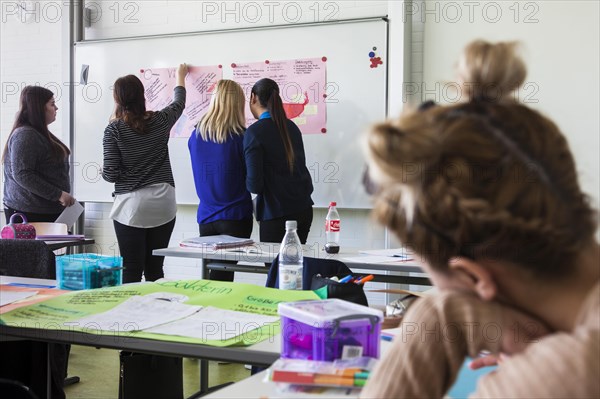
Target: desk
column 54, row 245
column 255, row 386
column 254, row 262
column 261, row 354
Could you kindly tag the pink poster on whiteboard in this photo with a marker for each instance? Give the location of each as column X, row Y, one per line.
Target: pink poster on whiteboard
column 302, row 84
column 200, row 83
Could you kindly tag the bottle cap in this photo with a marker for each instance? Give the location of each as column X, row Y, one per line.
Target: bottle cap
column 291, row 224
column 333, row 203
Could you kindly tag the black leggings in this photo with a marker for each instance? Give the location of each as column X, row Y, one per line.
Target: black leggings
column 236, row 228
column 136, row 245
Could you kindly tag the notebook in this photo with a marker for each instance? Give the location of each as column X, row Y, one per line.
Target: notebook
column 216, row 242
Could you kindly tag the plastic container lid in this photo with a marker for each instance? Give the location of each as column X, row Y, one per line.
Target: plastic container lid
column 333, row 203
column 322, row 313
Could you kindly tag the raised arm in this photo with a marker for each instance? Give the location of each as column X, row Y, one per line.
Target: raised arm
column 173, row 111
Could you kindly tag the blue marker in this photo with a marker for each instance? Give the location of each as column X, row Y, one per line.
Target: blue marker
column 346, row 279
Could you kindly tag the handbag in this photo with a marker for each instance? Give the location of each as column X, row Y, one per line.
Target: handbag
column 150, row 376
column 346, row 291
column 21, row 231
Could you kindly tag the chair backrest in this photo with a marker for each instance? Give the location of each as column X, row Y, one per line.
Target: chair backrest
column 15, row 390
column 312, row 267
column 27, row 258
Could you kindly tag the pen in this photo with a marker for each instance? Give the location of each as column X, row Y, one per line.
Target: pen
column 365, row 279
column 346, row 279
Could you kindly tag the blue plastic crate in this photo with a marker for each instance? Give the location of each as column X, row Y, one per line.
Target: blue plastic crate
column 85, row 271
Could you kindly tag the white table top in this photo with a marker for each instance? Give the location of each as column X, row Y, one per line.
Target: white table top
column 268, row 251
column 255, row 386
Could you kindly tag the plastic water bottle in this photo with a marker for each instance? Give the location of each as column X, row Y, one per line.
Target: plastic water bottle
column 290, row 259
column 332, row 230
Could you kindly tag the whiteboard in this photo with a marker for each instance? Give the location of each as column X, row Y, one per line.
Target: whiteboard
column 357, row 96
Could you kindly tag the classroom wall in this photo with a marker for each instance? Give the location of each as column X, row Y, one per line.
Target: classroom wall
column 561, row 48
column 33, row 52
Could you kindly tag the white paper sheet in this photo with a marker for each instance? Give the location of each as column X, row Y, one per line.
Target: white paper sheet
column 138, row 313
column 215, row 324
column 399, row 253
column 7, row 297
column 375, row 259
column 70, row 215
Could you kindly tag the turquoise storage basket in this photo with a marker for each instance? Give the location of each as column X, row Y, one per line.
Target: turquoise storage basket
column 86, row 271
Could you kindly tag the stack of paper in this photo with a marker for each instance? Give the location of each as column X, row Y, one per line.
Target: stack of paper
column 216, row 242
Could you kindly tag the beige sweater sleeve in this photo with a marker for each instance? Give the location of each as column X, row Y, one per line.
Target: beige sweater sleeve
column 437, row 334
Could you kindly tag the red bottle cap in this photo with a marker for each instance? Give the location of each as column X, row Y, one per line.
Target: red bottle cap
column 332, row 203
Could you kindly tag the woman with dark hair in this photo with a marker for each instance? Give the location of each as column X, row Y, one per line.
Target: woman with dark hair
column 136, row 159
column 36, row 184
column 276, row 166
column 36, row 162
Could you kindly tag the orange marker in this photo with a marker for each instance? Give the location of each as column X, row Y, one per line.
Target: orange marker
column 365, row 279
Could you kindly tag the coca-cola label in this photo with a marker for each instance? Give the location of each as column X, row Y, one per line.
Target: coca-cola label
column 332, row 226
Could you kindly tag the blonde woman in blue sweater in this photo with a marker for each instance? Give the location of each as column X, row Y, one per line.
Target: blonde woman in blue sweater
column 217, row 153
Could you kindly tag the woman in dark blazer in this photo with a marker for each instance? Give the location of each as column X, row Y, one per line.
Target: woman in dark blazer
column 276, row 166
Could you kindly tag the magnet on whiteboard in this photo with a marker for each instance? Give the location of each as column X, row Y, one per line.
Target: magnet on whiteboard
column 83, row 78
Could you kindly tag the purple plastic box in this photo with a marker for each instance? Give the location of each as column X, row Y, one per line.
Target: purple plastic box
column 329, row 329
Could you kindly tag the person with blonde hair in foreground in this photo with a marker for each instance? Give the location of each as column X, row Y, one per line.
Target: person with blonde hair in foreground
column 486, row 192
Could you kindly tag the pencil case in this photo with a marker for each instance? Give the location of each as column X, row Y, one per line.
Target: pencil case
column 20, row 231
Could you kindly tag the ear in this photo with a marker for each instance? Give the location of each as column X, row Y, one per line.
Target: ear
column 252, row 98
column 474, row 276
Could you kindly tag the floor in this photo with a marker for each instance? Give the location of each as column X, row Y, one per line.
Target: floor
column 99, row 373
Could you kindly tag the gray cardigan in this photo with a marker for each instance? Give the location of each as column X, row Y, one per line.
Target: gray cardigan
column 33, row 179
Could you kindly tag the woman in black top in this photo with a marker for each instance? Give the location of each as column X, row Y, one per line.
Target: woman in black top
column 276, row 166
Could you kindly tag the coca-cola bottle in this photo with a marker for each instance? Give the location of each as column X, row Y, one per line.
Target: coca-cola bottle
column 332, row 230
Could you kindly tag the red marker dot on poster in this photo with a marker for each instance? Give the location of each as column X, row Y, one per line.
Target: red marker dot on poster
column 220, row 66
column 324, row 59
column 323, row 130
column 267, row 61
column 141, row 71
column 233, row 65
column 324, row 95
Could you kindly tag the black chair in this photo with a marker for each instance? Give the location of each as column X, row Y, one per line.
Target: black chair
column 27, row 258
column 15, row 390
column 33, row 259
